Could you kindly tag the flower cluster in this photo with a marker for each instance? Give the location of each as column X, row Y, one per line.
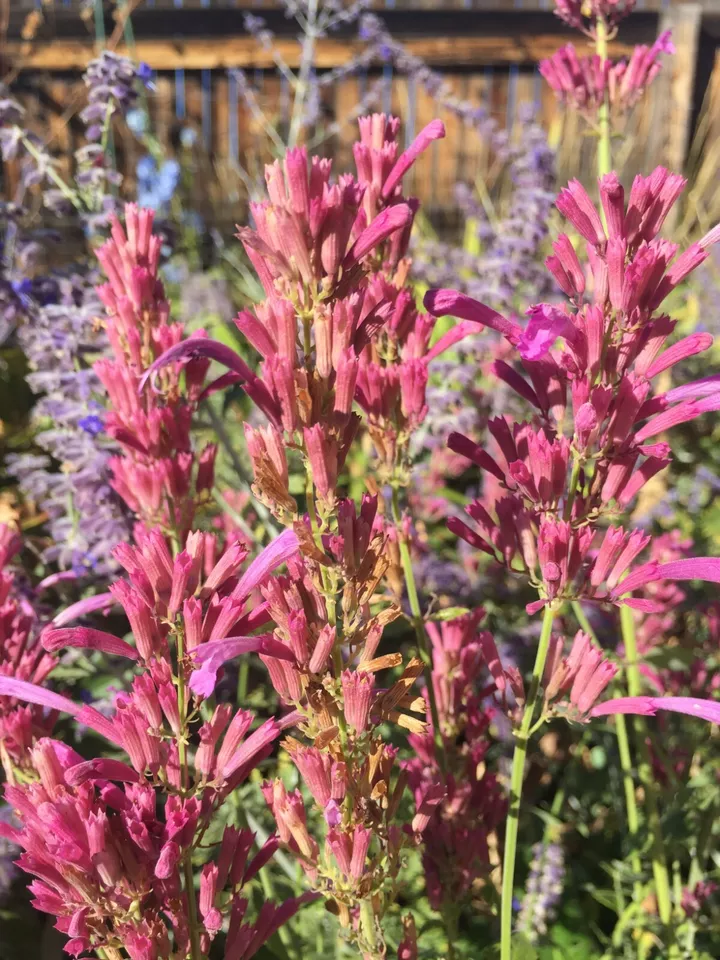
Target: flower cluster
column 583, row 675
column 158, row 475
column 393, row 372
column 584, row 83
column 106, row 814
column 107, row 859
column 596, row 417
column 584, row 16
column 459, row 806
column 23, row 657
column 314, row 244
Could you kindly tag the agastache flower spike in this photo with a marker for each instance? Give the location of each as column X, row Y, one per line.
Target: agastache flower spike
column 151, row 423
column 330, row 258
column 84, row 821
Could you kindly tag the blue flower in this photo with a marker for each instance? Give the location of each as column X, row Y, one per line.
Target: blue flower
column 156, row 187
column 137, row 120
column 144, row 75
column 92, row 425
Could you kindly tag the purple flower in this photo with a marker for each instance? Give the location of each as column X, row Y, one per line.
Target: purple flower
column 543, row 890
column 91, row 424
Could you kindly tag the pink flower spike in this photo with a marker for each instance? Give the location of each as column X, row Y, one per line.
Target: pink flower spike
column 451, row 303
column 546, row 325
column 276, row 553
column 86, row 638
column 435, row 130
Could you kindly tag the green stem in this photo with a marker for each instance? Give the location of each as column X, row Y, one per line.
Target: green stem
column 419, row 625
column 572, row 489
column 99, row 23
column 516, row 785
column 52, row 173
column 450, row 918
column 330, row 599
column 633, row 820
column 604, row 158
column 621, row 733
column 369, row 930
column 634, row 683
column 242, row 684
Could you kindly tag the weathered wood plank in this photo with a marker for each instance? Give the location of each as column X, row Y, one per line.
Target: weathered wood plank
column 242, row 51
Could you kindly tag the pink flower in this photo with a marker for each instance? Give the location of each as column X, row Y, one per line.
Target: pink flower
column 547, row 324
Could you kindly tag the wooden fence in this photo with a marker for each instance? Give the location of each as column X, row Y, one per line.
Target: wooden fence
column 488, row 53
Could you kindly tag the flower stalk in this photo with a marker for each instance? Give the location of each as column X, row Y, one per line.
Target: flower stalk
column 634, row 683
column 419, row 626
column 516, row 784
column 604, row 160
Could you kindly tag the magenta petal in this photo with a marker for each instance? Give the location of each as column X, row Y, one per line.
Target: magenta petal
column 228, row 379
column 692, row 706
column 644, row 706
column 60, row 577
column 464, row 329
column 90, row 717
column 444, row 303
column 87, row 638
column 257, row 617
column 193, row 348
column 546, row 324
column 647, row 706
column 645, row 606
column 100, row 769
column 31, row 693
column 211, row 656
column 386, row 223
column 693, row 391
column 256, row 742
column 692, row 568
column 279, row 551
column 103, row 601
column 290, row 719
column 435, row 130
